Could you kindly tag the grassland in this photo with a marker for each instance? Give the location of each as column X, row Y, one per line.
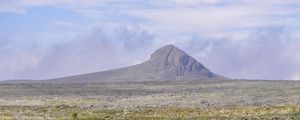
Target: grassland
column 237, row 100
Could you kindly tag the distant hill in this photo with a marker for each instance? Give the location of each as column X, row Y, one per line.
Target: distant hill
column 167, row 63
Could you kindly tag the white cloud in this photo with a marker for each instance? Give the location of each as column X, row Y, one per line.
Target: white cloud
column 20, row 6
column 103, row 48
column 189, row 2
column 268, row 53
column 62, row 23
column 223, row 27
column 215, row 19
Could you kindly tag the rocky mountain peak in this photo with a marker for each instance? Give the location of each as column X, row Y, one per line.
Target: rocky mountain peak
column 167, row 63
column 170, row 54
column 176, row 61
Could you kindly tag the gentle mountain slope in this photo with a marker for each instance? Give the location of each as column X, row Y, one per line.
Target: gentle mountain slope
column 167, row 63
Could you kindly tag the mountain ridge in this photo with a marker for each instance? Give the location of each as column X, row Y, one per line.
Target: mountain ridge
column 166, row 63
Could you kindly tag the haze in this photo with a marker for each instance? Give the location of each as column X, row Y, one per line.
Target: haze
column 42, row 39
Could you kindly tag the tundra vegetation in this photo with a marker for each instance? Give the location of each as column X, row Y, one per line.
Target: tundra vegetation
column 210, row 99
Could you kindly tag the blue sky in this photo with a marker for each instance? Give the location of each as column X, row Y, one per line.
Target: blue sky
column 42, row 39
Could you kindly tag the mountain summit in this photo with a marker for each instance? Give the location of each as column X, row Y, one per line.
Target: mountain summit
column 167, row 63
column 177, row 63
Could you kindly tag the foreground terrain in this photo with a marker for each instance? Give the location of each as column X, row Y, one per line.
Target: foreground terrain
column 227, row 99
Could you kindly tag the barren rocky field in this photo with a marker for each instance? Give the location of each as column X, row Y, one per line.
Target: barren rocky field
column 227, row 99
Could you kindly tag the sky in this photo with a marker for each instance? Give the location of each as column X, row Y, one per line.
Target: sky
column 241, row 39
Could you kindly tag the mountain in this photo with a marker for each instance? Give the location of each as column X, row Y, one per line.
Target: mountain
column 167, row 63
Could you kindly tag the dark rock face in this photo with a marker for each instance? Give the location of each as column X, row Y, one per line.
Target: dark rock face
column 176, row 62
column 167, row 63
